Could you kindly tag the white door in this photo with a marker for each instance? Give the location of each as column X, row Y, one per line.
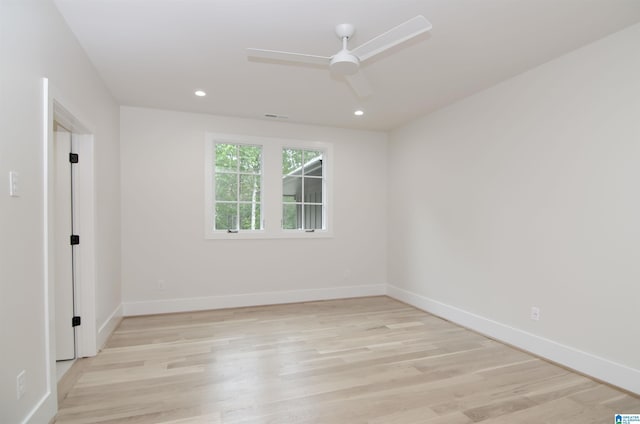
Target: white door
column 64, row 266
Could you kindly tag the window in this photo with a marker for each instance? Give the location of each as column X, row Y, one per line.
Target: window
column 238, row 179
column 258, row 187
column 302, row 190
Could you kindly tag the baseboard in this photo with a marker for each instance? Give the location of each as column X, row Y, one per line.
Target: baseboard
column 600, row 368
column 253, row 299
column 109, row 325
column 44, row 411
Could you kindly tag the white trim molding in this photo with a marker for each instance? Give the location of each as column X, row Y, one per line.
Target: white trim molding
column 597, row 367
column 83, row 140
column 164, row 306
column 108, row 326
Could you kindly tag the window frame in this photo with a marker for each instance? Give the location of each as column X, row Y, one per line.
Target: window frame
column 237, row 174
column 303, row 203
column 210, row 185
column 271, row 193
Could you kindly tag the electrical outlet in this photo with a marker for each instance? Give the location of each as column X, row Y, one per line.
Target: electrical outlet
column 535, row 313
column 13, row 184
column 160, row 285
column 21, row 384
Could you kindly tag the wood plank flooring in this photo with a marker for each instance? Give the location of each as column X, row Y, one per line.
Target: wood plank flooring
column 370, row 360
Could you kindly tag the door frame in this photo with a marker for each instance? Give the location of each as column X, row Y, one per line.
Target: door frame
column 64, row 204
column 58, row 109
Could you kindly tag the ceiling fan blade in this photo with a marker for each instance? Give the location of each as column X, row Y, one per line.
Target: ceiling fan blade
column 403, row 32
column 359, row 84
column 289, row 57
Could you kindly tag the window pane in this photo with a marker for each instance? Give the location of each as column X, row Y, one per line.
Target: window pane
column 250, row 188
column 226, row 186
column 313, row 190
column 226, row 216
column 313, row 217
column 250, row 159
column 302, row 189
column 238, row 185
column 226, row 157
column 313, row 163
column 292, row 188
column 250, row 216
column 290, row 217
column 291, row 161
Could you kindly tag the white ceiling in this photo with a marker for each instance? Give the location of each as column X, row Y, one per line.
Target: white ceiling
column 156, row 53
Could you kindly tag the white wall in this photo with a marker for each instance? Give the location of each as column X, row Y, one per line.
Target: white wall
column 527, row 194
column 163, row 220
column 35, row 43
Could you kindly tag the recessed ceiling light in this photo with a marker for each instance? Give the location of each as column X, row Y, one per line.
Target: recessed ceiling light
column 358, row 113
column 200, row 93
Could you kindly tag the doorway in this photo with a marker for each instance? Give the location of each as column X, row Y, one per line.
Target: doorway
column 65, row 249
column 71, row 273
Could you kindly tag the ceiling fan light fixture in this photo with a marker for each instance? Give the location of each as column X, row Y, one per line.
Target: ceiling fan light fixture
column 344, row 63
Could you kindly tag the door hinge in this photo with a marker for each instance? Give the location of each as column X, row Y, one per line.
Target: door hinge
column 75, row 321
column 73, row 157
column 75, row 239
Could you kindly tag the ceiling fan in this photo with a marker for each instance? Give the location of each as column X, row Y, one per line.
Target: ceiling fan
column 347, row 62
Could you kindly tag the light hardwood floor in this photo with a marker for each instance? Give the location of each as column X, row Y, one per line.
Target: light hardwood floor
column 370, row 360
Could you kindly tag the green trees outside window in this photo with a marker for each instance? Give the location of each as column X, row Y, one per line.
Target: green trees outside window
column 241, row 170
column 238, row 181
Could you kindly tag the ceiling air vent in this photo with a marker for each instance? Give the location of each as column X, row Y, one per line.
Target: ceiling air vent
column 275, row 116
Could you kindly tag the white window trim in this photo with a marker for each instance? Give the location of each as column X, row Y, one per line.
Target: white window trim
column 271, row 188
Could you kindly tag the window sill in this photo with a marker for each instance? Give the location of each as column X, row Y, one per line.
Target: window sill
column 257, row 235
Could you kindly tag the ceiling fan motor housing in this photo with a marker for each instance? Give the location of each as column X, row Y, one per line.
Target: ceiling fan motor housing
column 344, row 63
